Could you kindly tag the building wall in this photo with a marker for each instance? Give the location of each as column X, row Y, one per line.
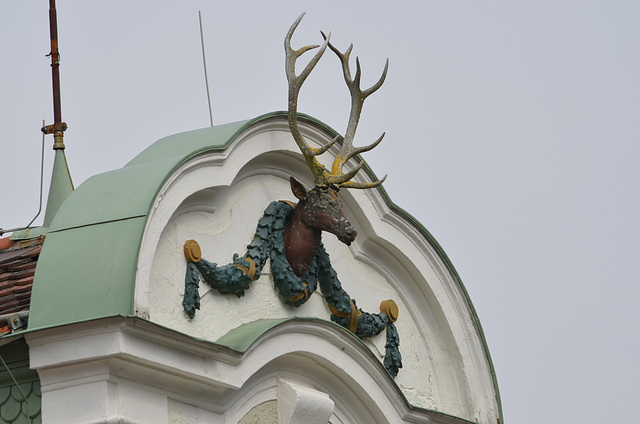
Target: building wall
column 111, row 343
column 217, row 198
column 265, row 413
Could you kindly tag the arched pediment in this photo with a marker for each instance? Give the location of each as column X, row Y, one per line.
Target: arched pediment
column 123, row 234
column 324, row 357
column 217, row 197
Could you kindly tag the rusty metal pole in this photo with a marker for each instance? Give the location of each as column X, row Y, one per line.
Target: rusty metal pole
column 58, row 127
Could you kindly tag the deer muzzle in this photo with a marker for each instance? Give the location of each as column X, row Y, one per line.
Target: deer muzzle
column 348, row 235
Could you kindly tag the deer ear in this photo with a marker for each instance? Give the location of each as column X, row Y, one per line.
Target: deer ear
column 298, row 189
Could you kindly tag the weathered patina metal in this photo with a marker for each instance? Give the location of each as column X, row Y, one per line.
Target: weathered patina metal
column 318, row 210
column 295, row 290
column 291, row 235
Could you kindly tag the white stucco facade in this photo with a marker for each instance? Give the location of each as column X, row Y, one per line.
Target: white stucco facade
column 251, row 358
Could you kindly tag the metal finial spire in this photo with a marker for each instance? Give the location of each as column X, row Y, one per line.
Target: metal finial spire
column 58, row 127
column 61, row 185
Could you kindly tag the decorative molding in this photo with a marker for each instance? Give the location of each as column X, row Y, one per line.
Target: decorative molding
column 299, row 404
column 445, row 363
column 133, row 378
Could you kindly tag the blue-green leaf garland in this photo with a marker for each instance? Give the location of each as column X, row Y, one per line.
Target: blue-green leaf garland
column 268, row 242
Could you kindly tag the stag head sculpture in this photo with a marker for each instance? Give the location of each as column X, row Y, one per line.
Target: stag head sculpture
column 320, row 209
column 296, row 230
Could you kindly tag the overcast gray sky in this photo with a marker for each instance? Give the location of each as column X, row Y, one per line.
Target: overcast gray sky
column 513, row 135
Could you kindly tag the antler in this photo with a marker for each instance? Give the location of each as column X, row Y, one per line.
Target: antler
column 336, row 177
column 358, row 96
column 295, row 83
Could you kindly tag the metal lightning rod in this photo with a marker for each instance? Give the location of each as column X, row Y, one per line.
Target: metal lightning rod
column 204, row 62
column 58, row 127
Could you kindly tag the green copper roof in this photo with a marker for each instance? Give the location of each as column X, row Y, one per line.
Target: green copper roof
column 130, row 191
column 61, row 187
column 88, row 262
column 87, row 266
column 242, row 337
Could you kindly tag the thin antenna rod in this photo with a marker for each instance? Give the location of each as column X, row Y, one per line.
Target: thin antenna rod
column 41, row 179
column 204, row 61
column 13, row 230
column 58, row 127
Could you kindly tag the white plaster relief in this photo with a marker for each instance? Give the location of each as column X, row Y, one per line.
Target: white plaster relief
column 299, row 404
column 445, row 367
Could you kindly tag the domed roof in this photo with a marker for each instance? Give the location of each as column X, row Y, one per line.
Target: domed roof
column 87, row 266
column 99, row 257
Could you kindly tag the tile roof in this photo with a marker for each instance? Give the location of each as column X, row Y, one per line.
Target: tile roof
column 18, row 259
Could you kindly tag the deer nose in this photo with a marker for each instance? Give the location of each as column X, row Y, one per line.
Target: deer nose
column 349, row 235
